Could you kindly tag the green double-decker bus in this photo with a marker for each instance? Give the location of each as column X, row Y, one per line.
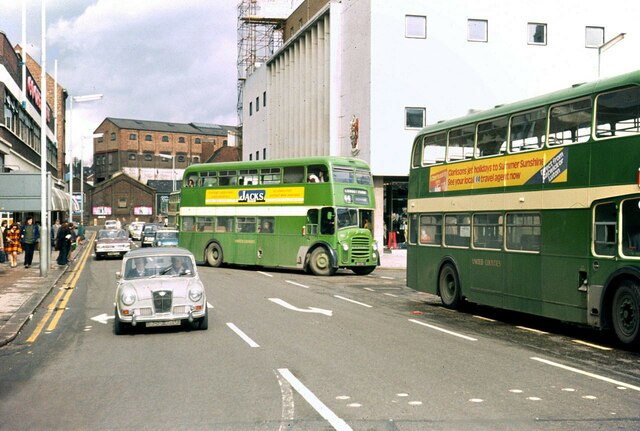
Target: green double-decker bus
column 311, row 213
column 534, row 206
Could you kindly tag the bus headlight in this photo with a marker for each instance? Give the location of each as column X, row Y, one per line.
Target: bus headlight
column 374, row 246
column 345, row 246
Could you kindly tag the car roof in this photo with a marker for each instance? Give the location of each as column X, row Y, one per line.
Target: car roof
column 159, row 251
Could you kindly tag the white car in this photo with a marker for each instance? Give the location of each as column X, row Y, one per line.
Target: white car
column 135, row 229
column 159, row 287
column 111, row 224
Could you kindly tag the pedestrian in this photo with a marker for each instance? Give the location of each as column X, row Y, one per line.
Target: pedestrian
column 3, row 235
column 30, row 237
column 54, row 233
column 13, row 246
column 2, row 254
column 63, row 241
column 80, row 233
column 72, row 240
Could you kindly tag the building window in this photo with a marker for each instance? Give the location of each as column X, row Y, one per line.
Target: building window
column 250, row 109
column 536, row 34
column 122, row 202
column 250, row 157
column 196, row 159
column 264, row 98
column 415, row 26
column 264, row 154
column 198, row 141
column 181, row 158
column 224, row 143
column 110, row 159
column 132, row 156
column 593, row 37
column 257, row 104
column 478, row 30
column 181, row 140
column 133, row 136
column 165, row 138
column 414, row 118
column 148, row 138
column 257, row 155
column 148, row 157
column 113, row 136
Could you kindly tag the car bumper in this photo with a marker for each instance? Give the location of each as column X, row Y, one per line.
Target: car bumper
column 143, row 315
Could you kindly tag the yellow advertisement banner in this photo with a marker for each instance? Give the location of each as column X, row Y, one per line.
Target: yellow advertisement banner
column 550, row 166
column 255, row 196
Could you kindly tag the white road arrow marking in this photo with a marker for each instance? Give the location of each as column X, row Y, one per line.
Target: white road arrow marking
column 302, row 310
column 102, row 318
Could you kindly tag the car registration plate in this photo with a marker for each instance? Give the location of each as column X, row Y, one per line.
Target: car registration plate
column 113, row 253
column 163, row 323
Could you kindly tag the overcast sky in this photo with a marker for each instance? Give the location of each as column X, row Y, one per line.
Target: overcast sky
column 161, row 60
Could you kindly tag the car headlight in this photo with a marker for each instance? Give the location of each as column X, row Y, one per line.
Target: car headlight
column 128, row 297
column 345, row 246
column 195, row 293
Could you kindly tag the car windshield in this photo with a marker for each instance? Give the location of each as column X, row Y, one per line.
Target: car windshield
column 166, row 235
column 158, row 266
column 111, row 234
column 150, row 228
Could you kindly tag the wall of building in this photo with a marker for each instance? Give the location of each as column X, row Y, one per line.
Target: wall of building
column 257, row 132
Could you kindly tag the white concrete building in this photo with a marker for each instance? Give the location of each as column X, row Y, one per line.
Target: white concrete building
column 395, row 66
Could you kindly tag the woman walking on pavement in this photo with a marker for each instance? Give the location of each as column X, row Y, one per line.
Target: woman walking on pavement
column 63, row 240
column 30, row 237
column 13, row 246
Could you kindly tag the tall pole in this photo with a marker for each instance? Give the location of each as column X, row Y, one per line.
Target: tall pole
column 70, row 150
column 24, row 54
column 44, row 237
column 173, row 171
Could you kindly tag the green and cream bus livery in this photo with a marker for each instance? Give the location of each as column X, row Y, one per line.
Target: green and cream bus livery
column 534, row 206
column 311, row 213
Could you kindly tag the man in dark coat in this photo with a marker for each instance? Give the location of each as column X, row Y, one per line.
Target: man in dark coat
column 30, row 238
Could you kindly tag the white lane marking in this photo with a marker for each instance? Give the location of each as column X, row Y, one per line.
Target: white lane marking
column 314, row 401
column 343, row 397
column 535, row 331
column 242, row 335
column 285, row 304
column 595, row 346
column 590, row 397
column 534, row 398
column 354, row 405
column 369, row 289
column 296, row 284
column 415, row 403
column 102, row 318
column 516, row 391
column 288, row 404
column 391, row 295
column 264, row 273
column 586, row 373
column 387, row 278
column 484, row 318
column 466, row 337
column 476, row 400
column 209, row 305
column 351, row 300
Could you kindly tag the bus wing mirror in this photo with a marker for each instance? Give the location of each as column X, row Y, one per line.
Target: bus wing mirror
column 304, row 230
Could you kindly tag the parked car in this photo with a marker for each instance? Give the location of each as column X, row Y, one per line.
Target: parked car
column 149, row 234
column 111, row 242
column 166, row 238
column 135, row 229
column 159, row 287
column 111, row 224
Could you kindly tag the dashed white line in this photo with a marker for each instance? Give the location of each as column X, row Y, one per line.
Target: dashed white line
column 486, row 319
column 387, row 278
column 355, row 302
column 595, row 346
column 586, row 373
column 242, row 335
column 369, row 289
column 446, row 331
column 535, row 331
column 296, row 284
column 314, row 401
column 264, row 273
column 391, row 295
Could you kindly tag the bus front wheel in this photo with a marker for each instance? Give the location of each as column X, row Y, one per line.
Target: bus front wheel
column 625, row 313
column 214, row 255
column 449, row 286
column 320, row 262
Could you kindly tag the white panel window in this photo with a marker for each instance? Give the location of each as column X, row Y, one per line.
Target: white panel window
column 593, row 37
column 416, row 26
column 477, row 30
column 536, row 34
column 414, row 118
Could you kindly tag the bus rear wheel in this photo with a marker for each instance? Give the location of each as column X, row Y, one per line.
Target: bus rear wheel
column 320, row 262
column 214, row 255
column 625, row 313
column 363, row 270
column 449, row 286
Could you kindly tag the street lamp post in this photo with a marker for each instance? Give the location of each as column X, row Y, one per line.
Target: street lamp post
column 608, row 44
column 95, row 135
column 78, row 99
column 173, row 168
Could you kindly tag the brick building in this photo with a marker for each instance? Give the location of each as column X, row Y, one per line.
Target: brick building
column 124, row 198
column 137, row 147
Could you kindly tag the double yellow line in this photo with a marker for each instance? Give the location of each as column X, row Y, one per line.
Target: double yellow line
column 59, row 303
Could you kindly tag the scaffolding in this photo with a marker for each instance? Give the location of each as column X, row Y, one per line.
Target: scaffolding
column 260, row 31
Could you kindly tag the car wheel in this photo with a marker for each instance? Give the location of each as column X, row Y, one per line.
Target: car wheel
column 320, row 262
column 449, row 286
column 625, row 313
column 214, row 255
column 120, row 327
column 98, row 256
column 201, row 323
column 363, row 270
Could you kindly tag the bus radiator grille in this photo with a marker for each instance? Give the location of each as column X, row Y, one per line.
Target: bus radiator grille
column 360, row 247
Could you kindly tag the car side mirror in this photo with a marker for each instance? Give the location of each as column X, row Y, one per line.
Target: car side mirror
column 118, row 275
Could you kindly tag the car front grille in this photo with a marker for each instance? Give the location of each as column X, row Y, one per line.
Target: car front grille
column 162, row 301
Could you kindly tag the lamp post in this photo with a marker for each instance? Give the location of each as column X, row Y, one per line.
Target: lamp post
column 94, row 136
column 77, row 99
column 608, row 44
column 173, row 168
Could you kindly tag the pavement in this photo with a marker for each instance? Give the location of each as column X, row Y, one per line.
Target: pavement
column 22, row 290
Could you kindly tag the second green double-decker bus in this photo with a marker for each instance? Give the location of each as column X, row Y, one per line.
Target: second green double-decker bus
column 535, row 207
column 311, row 213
